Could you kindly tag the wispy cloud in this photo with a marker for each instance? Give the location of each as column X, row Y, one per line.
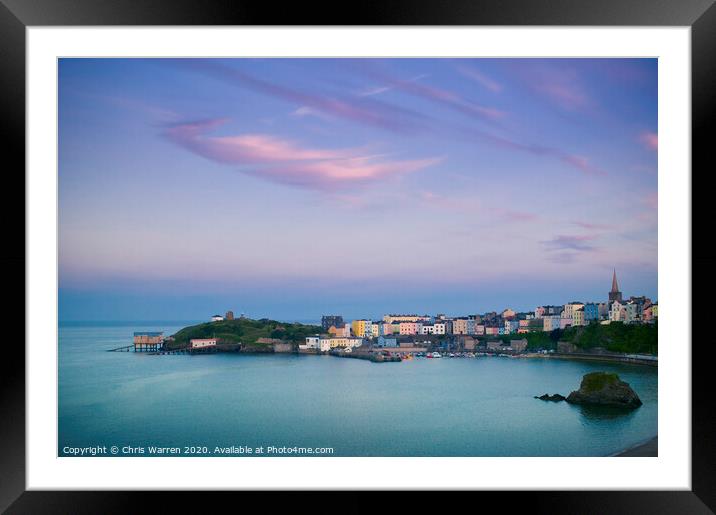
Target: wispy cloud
column 305, row 111
column 580, row 163
column 593, row 226
column 373, row 91
column 560, row 85
column 480, row 78
column 287, row 162
column 441, row 96
column 563, row 88
column 377, row 90
column 363, row 110
column 650, row 140
column 159, row 114
column 573, row 243
column 565, row 95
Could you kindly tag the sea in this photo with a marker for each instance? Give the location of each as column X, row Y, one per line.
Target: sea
column 235, row 405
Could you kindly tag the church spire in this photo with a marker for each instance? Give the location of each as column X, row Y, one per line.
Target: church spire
column 615, row 294
column 615, row 286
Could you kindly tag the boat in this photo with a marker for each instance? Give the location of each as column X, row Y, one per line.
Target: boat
column 452, row 355
column 436, row 355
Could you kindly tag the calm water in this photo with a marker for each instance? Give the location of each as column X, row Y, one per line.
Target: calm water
column 422, row 407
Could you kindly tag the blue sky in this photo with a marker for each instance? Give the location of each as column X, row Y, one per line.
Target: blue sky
column 290, row 188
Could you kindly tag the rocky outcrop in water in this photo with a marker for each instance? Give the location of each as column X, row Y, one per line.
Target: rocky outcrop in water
column 554, row 398
column 604, row 389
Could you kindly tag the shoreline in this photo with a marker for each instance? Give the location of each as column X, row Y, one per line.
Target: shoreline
column 608, row 358
column 647, row 449
column 624, row 360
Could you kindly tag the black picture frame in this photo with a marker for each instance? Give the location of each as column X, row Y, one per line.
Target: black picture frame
column 17, row 15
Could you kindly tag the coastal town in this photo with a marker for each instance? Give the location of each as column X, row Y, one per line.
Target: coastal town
column 398, row 336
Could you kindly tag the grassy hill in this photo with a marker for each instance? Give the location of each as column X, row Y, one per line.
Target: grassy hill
column 245, row 331
column 615, row 337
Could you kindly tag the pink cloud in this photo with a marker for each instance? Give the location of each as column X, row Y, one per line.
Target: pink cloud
column 283, row 161
column 650, row 140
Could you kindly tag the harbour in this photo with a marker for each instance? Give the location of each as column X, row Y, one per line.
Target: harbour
column 460, row 406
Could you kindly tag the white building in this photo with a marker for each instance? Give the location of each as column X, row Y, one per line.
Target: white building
column 440, row 327
column 626, row 312
column 217, row 318
column 202, row 343
column 427, row 329
column 616, row 313
column 312, row 343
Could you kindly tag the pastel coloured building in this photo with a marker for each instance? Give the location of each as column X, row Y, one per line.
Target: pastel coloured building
column 511, row 326
column 591, row 312
column 569, row 309
column 578, row 317
column 332, row 343
column 358, row 327
column 459, row 326
column 409, row 328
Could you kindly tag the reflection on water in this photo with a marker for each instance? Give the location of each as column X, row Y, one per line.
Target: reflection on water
column 596, row 413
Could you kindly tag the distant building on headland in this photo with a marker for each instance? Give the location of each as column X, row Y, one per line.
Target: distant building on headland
column 217, row 318
column 229, row 315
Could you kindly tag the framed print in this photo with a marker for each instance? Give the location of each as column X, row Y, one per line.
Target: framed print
column 420, row 249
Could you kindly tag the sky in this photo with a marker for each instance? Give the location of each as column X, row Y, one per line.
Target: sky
column 292, row 188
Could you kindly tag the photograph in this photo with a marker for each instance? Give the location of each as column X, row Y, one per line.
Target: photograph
column 357, row 257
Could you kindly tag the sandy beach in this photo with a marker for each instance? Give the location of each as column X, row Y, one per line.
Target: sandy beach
column 647, row 449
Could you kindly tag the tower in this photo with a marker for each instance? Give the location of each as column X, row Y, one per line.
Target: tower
column 615, row 294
